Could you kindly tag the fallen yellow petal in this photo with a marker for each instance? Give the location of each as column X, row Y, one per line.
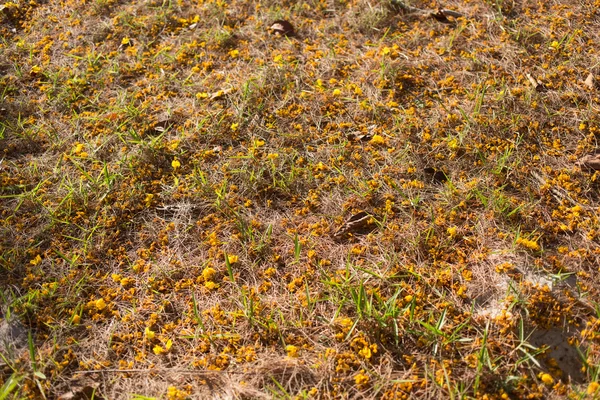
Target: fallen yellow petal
column 377, row 139
column 149, row 334
column 100, row 304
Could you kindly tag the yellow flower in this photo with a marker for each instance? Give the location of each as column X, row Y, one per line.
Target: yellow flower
column 269, row 272
column 212, row 239
column 202, row 95
column 547, row 379
column 451, row 231
column 148, row 199
column 36, row 69
column 337, row 92
column 210, row 285
column 100, row 304
column 504, row 267
column 208, row 273
column 174, row 144
column 175, row 394
column 530, row 244
column 365, row 352
column 76, row 319
column 377, row 139
column 593, row 388
column 320, row 166
column 78, row 148
column 175, row 163
column 272, row 156
column 453, row 144
column 125, row 40
column 361, row 379
column 234, row 53
column 149, row 333
column 232, row 259
column 234, row 126
column 36, row 260
column 158, row 350
column 291, row 350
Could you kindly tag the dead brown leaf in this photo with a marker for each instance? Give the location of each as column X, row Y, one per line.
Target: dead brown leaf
column 589, row 81
column 359, row 137
column 442, row 15
column 360, row 223
column 282, row 27
column 590, row 161
column 87, row 392
column 537, row 84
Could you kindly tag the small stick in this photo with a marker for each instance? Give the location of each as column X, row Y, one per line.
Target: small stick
column 179, row 371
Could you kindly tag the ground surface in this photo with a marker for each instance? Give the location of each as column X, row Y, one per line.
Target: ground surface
column 383, row 205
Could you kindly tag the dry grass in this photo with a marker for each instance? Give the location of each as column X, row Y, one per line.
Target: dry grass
column 175, row 177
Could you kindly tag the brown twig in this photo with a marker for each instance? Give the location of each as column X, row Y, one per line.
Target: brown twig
column 439, row 14
column 138, row 371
